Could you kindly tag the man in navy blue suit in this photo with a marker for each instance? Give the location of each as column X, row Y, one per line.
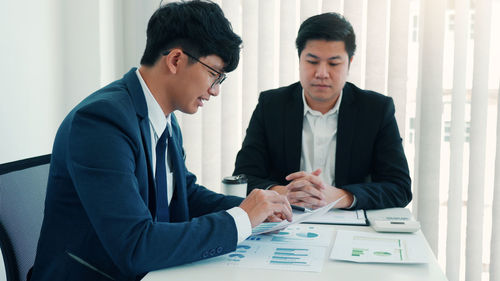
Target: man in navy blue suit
column 120, row 201
column 323, row 138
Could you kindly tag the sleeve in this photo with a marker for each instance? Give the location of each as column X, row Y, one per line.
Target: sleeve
column 253, row 159
column 242, row 222
column 390, row 184
column 103, row 143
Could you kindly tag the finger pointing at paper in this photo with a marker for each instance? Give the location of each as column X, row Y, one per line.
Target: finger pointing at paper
column 261, row 205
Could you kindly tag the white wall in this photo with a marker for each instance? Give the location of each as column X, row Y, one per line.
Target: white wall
column 54, row 53
column 50, row 55
column 30, row 52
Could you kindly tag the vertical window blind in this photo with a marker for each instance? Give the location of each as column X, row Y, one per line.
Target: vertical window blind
column 434, row 58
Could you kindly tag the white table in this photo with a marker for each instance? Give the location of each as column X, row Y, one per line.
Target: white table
column 211, row 269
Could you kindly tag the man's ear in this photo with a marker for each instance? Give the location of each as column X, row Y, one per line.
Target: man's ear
column 173, row 59
column 350, row 61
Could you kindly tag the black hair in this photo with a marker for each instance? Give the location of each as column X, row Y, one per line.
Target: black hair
column 198, row 27
column 329, row 27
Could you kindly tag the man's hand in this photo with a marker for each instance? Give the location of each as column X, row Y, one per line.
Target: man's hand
column 308, row 190
column 262, row 205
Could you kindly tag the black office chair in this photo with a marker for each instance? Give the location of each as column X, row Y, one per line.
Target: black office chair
column 22, row 195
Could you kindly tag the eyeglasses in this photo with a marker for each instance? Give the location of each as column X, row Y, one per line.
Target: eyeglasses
column 220, row 76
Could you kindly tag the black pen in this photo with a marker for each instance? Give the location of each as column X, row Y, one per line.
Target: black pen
column 300, row 208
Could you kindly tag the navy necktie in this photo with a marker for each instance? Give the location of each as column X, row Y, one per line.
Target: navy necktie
column 161, row 178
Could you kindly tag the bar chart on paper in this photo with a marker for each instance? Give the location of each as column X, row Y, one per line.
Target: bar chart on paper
column 298, row 247
column 385, row 249
column 291, row 256
column 255, row 255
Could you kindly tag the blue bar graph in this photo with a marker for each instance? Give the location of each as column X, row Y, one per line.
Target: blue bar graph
column 264, row 227
column 291, row 256
column 291, row 249
column 289, row 262
column 285, row 258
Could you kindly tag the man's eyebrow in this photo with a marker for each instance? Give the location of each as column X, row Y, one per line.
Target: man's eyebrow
column 316, row 57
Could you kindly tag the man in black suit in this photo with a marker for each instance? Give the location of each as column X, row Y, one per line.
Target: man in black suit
column 323, row 138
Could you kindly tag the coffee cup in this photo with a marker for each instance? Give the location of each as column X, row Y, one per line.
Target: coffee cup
column 235, row 185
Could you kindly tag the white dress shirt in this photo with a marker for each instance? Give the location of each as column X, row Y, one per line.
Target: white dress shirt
column 157, row 123
column 319, row 142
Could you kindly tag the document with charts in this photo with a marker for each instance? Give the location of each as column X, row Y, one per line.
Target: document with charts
column 359, row 246
column 298, row 247
column 341, row 217
column 297, row 218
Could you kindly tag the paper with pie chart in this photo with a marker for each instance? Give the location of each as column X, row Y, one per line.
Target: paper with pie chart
column 367, row 247
column 303, row 234
column 298, row 247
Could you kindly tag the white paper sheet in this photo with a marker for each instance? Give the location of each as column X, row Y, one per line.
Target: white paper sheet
column 297, row 218
column 302, row 234
column 337, row 216
column 358, row 246
column 255, row 255
column 298, row 248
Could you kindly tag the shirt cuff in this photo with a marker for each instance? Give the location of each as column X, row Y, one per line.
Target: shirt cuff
column 269, row 186
column 353, row 202
column 243, row 225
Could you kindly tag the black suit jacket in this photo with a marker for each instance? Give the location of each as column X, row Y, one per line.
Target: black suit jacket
column 370, row 161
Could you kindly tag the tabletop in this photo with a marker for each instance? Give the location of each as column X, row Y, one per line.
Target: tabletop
column 214, row 269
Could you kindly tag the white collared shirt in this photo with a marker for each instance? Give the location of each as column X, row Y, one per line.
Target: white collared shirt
column 157, row 123
column 319, row 141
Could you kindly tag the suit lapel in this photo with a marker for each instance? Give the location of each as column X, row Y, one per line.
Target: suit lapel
column 141, row 109
column 292, row 122
column 139, row 101
column 345, row 133
column 178, row 204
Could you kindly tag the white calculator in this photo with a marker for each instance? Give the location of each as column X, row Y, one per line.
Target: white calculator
column 395, row 226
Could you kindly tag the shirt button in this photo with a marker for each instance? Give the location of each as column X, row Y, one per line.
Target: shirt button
column 219, row 250
column 212, row 252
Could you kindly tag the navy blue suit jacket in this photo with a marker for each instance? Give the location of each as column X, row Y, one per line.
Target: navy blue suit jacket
column 99, row 221
column 370, row 161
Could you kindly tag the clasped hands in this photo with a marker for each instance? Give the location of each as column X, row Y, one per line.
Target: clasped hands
column 308, row 190
column 305, row 189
